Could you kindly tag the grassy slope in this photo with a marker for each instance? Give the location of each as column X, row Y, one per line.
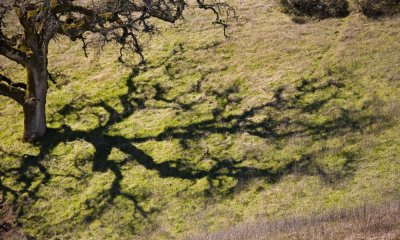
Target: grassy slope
column 279, row 120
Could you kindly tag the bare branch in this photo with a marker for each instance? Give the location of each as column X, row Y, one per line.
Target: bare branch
column 12, row 90
column 11, row 53
column 219, row 8
column 119, row 21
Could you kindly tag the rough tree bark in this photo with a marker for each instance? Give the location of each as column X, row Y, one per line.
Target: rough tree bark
column 30, row 95
column 35, row 99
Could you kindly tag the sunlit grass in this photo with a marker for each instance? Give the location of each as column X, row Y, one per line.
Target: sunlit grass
column 278, row 120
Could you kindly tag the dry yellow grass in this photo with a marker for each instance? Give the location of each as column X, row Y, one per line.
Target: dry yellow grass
column 366, row 222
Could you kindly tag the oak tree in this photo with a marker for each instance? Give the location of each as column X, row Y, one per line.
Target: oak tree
column 41, row 21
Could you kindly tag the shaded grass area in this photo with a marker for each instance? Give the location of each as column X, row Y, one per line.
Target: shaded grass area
column 279, row 120
column 301, row 9
column 376, row 9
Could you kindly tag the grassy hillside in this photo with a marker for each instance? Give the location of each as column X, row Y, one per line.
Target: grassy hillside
column 279, row 120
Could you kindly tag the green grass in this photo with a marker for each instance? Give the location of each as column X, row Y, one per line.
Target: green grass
column 278, row 120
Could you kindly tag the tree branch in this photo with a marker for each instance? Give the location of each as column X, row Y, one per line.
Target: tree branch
column 12, row 90
column 219, row 8
column 11, row 53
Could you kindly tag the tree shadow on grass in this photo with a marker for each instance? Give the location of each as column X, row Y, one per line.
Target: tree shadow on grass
column 272, row 125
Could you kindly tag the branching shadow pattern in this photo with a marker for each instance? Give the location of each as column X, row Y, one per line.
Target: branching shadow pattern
column 271, row 123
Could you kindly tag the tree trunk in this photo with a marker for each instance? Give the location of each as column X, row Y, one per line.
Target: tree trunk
column 35, row 99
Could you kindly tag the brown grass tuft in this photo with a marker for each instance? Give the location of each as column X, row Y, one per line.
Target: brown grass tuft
column 365, row 222
column 9, row 228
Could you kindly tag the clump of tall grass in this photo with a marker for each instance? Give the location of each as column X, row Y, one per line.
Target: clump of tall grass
column 319, row 9
column 377, row 8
